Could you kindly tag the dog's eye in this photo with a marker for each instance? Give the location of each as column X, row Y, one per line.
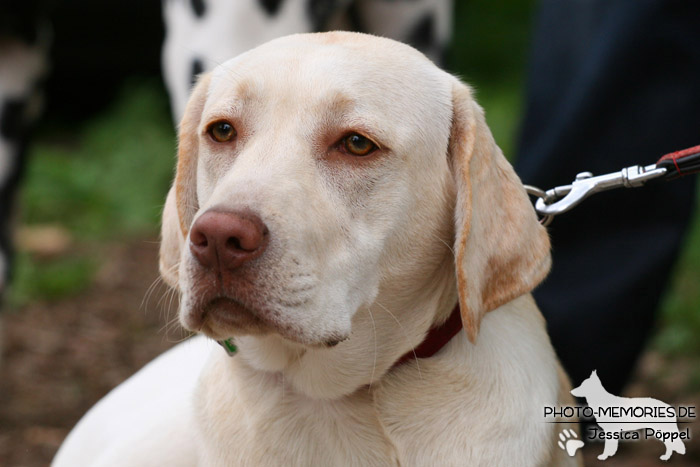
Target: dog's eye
column 222, row 131
column 358, row 145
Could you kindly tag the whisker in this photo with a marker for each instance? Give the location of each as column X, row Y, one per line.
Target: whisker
column 444, row 243
column 172, row 325
column 374, row 365
column 149, row 292
column 169, row 292
column 413, row 349
column 167, row 327
column 174, row 295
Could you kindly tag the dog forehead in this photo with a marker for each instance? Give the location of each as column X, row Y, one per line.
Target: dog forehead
column 356, row 49
column 309, row 68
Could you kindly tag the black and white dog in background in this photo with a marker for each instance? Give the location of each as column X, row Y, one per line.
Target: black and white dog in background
column 199, row 35
column 203, row 33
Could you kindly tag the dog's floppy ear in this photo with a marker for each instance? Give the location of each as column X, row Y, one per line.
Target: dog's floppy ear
column 188, row 146
column 181, row 203
column 501, row 250
column 171, row 241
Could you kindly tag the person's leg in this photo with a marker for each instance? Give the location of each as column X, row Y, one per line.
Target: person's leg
column 611, row 84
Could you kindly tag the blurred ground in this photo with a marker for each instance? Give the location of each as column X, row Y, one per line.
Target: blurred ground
column 62, row 356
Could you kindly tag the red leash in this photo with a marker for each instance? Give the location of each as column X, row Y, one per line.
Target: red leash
column 685, row 162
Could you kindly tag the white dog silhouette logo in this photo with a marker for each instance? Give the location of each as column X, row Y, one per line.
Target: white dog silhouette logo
column 617, row 415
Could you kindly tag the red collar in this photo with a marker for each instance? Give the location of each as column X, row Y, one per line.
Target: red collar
column 436, row 338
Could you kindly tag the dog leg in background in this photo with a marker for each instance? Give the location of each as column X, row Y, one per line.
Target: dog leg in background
column 22, row 66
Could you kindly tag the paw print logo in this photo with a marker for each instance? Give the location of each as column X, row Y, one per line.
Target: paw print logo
column 569, row 442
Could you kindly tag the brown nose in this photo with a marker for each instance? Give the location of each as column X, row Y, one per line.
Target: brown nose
column 225, row 240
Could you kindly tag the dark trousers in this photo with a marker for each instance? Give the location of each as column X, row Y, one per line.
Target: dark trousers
column 612, row 83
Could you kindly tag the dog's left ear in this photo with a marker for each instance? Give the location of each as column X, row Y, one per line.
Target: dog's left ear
column 501, row 250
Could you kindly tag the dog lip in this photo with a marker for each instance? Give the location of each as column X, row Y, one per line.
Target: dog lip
column 228, row 311
column 222, row 317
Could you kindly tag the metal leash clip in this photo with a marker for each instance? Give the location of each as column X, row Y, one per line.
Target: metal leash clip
column 563, row 198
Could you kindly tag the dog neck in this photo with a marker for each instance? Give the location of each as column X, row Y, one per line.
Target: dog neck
column 383, row 333
column 438, row 336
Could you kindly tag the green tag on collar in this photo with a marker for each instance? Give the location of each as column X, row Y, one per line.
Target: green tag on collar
column 229, row 347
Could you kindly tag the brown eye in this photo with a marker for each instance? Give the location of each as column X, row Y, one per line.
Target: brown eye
column 358, row 145
column 222, row 132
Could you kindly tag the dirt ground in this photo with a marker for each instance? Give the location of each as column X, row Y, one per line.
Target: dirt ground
column 59, row 358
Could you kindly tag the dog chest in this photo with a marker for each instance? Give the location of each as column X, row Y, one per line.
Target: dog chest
column 254, row 418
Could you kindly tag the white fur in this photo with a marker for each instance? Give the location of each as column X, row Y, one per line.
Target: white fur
column 359, row 250
column 151, row 407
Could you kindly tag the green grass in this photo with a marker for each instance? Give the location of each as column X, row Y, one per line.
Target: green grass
column 489, row 51
column 104, row 181
column 107, row 180
column 680, row 318
column 41, row 279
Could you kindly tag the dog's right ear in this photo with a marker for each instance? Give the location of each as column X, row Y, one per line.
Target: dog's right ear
column 171, row 241
column 187, row 155
column 181, row 203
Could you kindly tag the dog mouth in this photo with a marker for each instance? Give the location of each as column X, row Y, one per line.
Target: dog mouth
column 224, row 317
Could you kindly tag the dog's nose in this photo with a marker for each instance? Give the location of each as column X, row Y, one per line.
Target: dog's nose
column 225, row 240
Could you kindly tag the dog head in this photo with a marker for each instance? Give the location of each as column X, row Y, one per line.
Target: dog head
column 317, row 172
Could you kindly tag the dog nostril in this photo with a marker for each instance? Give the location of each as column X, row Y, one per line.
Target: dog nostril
column 234, row 243
column 198, row 239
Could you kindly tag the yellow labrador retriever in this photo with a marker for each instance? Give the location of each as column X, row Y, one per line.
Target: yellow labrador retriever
column 336, row 195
